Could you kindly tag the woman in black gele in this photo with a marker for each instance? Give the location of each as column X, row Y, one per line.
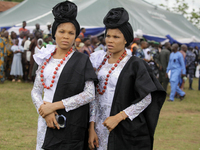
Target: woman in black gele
column 67, row 79
column 125, row 111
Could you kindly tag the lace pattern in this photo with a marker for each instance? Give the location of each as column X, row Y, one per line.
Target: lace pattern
column 82, row 98
column 70, row 103
column 37, row 91
column 101, row 106
column 135, row 109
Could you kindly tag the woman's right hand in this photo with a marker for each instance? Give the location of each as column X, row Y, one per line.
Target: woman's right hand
column 93, row 139
column 51, row 120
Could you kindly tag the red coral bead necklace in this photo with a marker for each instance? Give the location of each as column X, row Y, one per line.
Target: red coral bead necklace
column 56, row 69
column 107, row 56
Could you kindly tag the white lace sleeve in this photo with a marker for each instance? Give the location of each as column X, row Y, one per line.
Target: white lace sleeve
column 135, row 109
column 80, row 99
column 93, row 108
column 37, row 90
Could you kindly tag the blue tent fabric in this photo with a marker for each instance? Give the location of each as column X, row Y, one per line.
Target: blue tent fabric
column 192, row 44
column 172, row 40
column 94, row 31
column 154, row 38
column 5, row 28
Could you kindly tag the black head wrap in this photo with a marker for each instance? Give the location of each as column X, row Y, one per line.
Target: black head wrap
column 65, row 12
column 118, row 18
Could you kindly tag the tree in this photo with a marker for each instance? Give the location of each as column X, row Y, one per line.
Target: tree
column 14, row 0
column 195, row 18
column 182, row 7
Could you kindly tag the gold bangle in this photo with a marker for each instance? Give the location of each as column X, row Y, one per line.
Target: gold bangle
column 121, row 112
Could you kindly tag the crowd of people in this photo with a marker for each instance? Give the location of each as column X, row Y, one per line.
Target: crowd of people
column 170, row 63
column 17, row 51
column 16, row 55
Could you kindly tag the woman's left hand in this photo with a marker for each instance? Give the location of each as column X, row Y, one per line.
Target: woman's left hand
column 46, row 109
column 111, row 122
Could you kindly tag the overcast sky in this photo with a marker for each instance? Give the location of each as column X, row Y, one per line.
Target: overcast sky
column 192, row 3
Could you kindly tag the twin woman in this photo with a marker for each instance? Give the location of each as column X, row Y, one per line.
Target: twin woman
column 110, row 101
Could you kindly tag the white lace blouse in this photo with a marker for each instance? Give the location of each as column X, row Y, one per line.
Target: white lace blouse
column 70, row 103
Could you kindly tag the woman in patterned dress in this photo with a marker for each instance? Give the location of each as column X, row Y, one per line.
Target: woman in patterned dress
column 2, row 53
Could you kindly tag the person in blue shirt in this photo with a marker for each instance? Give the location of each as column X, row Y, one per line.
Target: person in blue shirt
column 140, row 52
column 177, row 67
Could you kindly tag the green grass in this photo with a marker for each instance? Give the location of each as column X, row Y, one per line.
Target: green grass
column 18, row 119
column 178, row 125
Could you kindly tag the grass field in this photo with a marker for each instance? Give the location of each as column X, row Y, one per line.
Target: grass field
column 178, row 127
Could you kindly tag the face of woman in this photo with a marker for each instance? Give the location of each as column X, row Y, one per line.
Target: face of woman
column 115, row 41
column 65, row 35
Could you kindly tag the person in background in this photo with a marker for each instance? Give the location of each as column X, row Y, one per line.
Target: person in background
column 13, row 37
column 163, row 60
column 23, row 29
column 183, row 52
column 159, row 47
column 2, row 32
column 47, row 30
column 136, row 43
column 37, row 49
column 87, row 49
column 128, row 49
column 134, row 51
column 51, row 41
column 102, row 44
column 32, row 50
column 140, row 51
column 26, row 57
column 94, row 41
column 21, row 38
column 77, row 44
column 16, row 68
column 190, row 65
column 177, row 68
column 45, row 40
column 154, row 59
column 2, row 52
column 199, row 77
column 9, row 55
column 147, row 53
column 82, row 33
column 37, row 30
column 196, row 52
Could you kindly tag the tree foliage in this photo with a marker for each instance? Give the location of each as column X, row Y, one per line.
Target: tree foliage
column 14, row 0
column 182, row 7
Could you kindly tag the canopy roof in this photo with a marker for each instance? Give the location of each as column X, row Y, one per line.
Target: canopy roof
column 144, row 17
